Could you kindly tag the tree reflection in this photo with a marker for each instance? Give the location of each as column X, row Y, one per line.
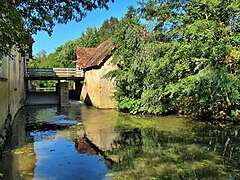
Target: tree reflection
column 197, row 152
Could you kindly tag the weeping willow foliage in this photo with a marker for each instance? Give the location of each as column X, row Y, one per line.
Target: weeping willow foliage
column 189, row 64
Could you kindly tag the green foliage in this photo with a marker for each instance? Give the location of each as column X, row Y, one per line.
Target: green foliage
column 40, row 61
column 12, row 32
column 89, row 39
column 210, row 93
column 133, row 105
column 19, row 19
column 190, row 64
column 108, row 28
column 109, row 175
column 64, row 56
column 129, row 76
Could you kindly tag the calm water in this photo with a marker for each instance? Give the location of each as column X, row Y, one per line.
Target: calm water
column 82, row 142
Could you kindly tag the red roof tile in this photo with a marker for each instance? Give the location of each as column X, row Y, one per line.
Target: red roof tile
column 89, row 57
column 84, row 55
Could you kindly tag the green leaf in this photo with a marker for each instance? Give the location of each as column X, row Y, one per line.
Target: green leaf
column 109, row 175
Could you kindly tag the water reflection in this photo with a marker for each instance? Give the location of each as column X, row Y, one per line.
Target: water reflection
column 185, row 150
column 43, row 146
column 82, row 142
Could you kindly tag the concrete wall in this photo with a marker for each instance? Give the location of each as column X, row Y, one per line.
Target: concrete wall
column 12, row 90
column 42, row 98
column 64, row 94
column 97, row 90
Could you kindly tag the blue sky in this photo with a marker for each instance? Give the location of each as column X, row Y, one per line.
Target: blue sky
column 71, row 31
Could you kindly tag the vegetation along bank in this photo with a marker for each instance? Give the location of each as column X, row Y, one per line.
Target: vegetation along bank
column 184, row 58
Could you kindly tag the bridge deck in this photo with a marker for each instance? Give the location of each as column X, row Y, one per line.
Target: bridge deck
column 53, row 74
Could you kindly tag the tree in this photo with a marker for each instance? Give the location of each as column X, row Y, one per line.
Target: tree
column 89, row 39
column 20, row 19
column 64, row 54
column 40, row 60
column 192, row 64
column 108, row 28
column 129, row 43
column 12, row 32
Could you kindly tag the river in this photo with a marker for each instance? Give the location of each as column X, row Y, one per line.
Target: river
column 82, row 142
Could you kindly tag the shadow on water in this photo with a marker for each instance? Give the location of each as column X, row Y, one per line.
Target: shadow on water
column 82, row 142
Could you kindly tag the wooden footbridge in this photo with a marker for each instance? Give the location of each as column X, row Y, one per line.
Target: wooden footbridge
column 53, row 74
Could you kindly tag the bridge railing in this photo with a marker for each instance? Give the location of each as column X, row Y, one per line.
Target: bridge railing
column 53, row 72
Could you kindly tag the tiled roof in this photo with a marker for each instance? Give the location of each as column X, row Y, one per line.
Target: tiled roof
column 83, row 55
column 89, row 57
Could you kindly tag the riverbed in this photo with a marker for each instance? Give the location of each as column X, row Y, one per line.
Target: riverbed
column 82, row 142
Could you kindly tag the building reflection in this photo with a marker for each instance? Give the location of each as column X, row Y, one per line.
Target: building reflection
column 99, row 126
column 20, row 160
column 93, row 134
column 85, row 146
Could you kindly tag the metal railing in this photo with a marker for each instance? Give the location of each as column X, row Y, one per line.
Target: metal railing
column 53, row 72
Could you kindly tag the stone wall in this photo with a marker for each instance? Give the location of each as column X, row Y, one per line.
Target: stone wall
column 12, row 90
column 97, row 90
